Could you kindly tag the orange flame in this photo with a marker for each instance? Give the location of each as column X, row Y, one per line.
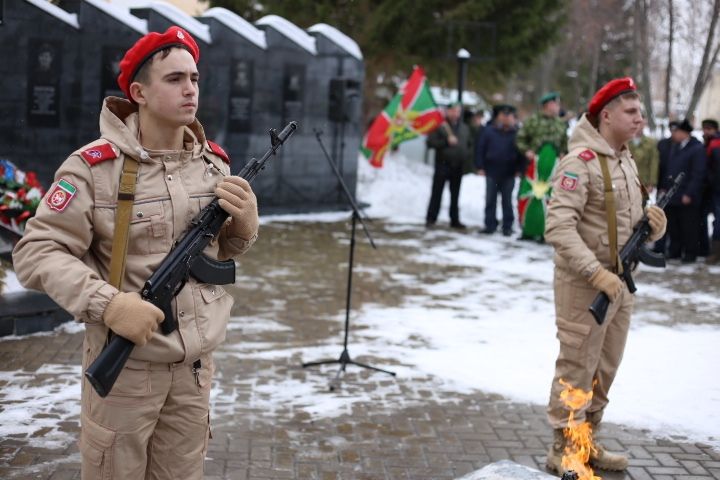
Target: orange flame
column 579, row 435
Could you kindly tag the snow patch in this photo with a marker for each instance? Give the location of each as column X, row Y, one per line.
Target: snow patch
column 239, row 25
column 182, row 19
column 122, row 15
column 290, row 30
column 339, row 38
column 57, row 12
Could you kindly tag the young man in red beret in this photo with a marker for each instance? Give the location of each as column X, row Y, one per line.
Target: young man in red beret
column 587, row 230
column 155, row 422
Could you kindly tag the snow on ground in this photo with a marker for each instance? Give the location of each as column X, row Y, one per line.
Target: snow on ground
column 35, row 403
column 501, row 339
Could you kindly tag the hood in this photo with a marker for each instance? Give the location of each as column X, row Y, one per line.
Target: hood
column 119, row 126
column 586, row 136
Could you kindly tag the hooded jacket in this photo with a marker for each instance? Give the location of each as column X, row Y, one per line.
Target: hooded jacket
column 66, row 253
column 576, row 223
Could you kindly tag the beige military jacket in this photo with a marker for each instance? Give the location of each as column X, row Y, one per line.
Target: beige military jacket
column 576, row 224
column 66, row 248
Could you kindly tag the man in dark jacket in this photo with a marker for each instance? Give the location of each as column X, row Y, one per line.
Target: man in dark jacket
column 498, row 158
column 712, row 151
column 686, row 154
column 453, row 144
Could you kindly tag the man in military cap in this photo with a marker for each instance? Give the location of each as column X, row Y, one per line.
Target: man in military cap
column 587, row 229
column 153, row 154
column 684, row 153
column 497, row 157
column 542, row 138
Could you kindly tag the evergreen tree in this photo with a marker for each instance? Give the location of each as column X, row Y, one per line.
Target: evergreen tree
column 396, row 34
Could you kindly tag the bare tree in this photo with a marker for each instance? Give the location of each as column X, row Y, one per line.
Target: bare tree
column 642, row 57
column 709, row 58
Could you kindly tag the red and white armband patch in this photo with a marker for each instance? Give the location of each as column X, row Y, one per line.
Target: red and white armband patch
column 569, row 181
column 59, row 197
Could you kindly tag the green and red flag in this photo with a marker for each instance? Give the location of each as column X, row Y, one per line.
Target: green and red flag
column 535, row 190
column 410, row 113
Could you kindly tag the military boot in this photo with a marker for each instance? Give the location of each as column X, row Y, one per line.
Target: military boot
column 714, row 256
column 556, row 452
column 602, row 459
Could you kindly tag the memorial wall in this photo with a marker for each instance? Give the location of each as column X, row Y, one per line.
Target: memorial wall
column 61, row 61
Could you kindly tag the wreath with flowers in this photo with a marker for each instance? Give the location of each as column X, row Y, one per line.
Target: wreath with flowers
column 20, row 195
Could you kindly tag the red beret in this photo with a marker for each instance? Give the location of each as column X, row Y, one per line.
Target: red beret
column 148, row 46
column 609, row 91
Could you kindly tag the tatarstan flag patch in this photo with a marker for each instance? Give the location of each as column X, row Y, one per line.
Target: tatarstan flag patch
column 60, row 196
column 569, row 181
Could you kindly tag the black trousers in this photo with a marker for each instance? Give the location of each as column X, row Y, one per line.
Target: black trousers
column 444, row 172
column 683, row 231
column 503, row 186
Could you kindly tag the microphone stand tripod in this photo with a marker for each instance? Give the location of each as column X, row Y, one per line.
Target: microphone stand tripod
column 345, row 359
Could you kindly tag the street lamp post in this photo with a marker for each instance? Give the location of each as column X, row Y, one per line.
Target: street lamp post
column 462, row 57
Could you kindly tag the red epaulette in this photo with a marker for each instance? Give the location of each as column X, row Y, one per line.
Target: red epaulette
column 99, row 153
column 217, row 150
column 587, row 155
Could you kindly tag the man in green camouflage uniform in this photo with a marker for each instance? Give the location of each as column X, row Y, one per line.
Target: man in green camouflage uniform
column 542, row 128
column 645, row 153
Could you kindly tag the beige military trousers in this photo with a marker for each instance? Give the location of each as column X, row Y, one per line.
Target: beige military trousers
column 154, row 424
column 589, row 353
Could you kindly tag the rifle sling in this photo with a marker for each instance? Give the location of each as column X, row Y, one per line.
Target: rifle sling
column 611, row 213
column 125, row 199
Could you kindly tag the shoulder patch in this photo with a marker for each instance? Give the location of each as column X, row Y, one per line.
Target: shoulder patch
column 569, row 181
column 217, row 150
column 586, row 155
column 99, row 153
column 59, row 197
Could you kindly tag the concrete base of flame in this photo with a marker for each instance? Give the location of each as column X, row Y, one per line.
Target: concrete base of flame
column 507, row 470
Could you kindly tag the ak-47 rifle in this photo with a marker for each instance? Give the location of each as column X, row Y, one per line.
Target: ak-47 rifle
column 633, row 252
column 185, row 259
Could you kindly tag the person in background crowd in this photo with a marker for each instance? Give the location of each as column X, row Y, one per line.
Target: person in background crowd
column 645, row 153
column 711, row 136
column 579, row 217
column 541, row 131
column 453, row 145
column 664, row 144
column 497, row 157
column 542, row 127
column 474, row 121
column 684, row 153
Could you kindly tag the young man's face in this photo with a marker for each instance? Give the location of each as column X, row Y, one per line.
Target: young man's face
column 624, row 119
column 171, row 94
